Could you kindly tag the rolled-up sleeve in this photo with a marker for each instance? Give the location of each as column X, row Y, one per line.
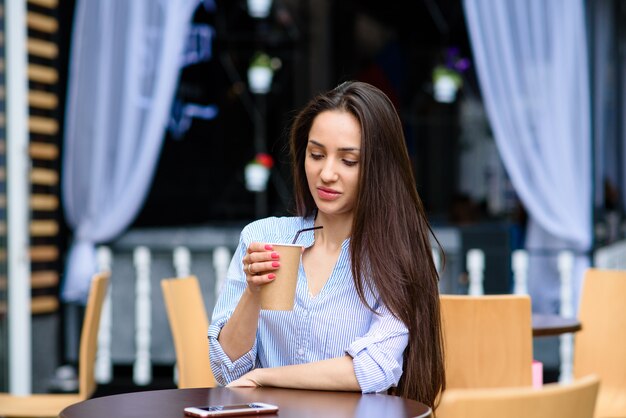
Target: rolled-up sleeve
column 224, row 369
column 378, row 355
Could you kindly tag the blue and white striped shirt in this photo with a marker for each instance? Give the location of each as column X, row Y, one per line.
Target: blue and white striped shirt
column 329, row 325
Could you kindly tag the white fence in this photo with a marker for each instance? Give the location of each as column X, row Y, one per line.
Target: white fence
column 134, row 329
column 609, row 257
column 142, row 366
column 182, row 258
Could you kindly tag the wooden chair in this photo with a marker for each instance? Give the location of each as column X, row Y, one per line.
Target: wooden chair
column 572, row 400
column 600, row 347
column 50, row 405
column 189, row 324
column 487, row 340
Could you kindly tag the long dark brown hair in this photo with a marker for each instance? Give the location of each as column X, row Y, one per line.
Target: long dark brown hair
column 388, row 214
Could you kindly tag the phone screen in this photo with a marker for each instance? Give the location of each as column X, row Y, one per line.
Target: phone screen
column 252, row 408
column 231, row 407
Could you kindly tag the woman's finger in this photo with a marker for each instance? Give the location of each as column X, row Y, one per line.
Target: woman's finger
column 250, row 379
column 266, row 256
column 242, row 382
column 259, row 246
column 259, row 280
column 257, row 268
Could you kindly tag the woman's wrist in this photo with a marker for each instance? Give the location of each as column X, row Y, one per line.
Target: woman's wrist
column 253, row 292
column 258, row 376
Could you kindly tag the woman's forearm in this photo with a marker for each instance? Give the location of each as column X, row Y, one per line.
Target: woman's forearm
column 332, row 374
column 237, row 336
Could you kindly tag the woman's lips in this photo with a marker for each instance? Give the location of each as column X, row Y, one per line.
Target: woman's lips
column 327, row 194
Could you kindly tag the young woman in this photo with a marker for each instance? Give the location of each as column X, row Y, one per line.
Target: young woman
column 366, row 315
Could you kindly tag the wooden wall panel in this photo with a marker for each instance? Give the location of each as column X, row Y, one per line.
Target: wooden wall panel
column 44, row 151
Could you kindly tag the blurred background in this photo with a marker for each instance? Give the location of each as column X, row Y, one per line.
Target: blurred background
column 140, row 137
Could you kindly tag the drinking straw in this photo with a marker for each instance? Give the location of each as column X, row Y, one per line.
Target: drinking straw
column 302, row 230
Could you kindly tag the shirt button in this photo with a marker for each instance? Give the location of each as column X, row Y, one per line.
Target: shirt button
column 305, row 313
column 300, row 351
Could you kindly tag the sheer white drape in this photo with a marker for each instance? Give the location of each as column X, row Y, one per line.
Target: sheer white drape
column 124, row 68
column 531, row 59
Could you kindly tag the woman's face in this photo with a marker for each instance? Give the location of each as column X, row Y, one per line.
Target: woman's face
column 332, row 162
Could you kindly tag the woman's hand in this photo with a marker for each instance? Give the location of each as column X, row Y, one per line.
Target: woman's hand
column 239, row 333
column 250, row 379
column 259, row 264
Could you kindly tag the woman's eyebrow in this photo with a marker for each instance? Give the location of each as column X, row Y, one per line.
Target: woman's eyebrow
column 342, row 149
column 317, row 144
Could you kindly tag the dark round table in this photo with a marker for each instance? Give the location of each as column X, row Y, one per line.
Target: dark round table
column 549, row 324
column 292, row 403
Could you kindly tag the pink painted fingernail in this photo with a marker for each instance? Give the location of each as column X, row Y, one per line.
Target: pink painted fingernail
column 275, row 255
column 275, row 264
column 269, row 247
column 271, row 276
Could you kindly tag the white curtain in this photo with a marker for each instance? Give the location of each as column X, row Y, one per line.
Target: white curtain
column 124, row 69
column 531, row 59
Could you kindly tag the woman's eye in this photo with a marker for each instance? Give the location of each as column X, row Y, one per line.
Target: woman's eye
column 350, row 163
column 316, row 156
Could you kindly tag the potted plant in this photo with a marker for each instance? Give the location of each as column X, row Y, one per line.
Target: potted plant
column 260, row 73
column 257, row 172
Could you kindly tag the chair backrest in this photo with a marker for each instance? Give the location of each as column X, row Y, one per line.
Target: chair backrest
column 89, row 334
column 572, row 400
column 189, row 324
column 600, row 346
column 487, row 340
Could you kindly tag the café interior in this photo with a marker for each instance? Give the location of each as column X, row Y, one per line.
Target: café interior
column 137, row 139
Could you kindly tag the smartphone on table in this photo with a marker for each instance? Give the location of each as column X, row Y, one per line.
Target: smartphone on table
column 252, row 408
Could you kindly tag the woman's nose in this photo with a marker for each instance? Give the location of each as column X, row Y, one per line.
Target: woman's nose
column 329, row 173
